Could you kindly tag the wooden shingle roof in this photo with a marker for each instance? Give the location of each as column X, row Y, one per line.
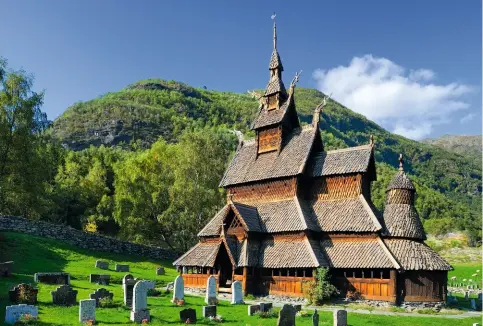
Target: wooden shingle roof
column 213, row 227
column 341, row 161
column 400, row 181
column 287, row 254
column 267, row 117
column 402, row 220
column 414, row 255
column 202, row 254
column 275, row 61
column 275, row 85
column 246, row 166
column 357, row 253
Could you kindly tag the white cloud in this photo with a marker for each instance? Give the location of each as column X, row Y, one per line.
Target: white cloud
column 467, row 118
column 407, row 103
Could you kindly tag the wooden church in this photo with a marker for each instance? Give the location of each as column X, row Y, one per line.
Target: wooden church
column 293, row 207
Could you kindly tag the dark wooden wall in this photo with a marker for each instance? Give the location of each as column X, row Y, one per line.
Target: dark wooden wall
column 427, row 286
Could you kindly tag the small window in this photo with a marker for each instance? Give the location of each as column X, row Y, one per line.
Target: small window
column 367, row 274
column 386, row 274
column 358, row 273
column 308, row 272
column 283, row 272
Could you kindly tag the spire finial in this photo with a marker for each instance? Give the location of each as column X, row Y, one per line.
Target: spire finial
column 371, row 140
column 401, row 163
column 274, row 31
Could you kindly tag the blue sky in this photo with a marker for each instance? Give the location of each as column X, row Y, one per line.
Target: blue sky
column 412, row 66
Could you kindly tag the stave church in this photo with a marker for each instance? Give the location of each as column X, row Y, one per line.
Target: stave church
column 293, row 207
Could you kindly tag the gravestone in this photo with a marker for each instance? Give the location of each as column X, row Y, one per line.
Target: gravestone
column 236, row 293
column 102, row 264
column 265, row 306
column 210, row 297
column 160, row 271
column 467, row 295
column 122, row 268
column 298, row 307
column 23, row 293
column 87, row 310
column 6, row 268
column 101, row 294
column 480, row 296
column 340, row 318
column 315, row 318
column 186, row 314
column 13, row 313
column 252, row 309
column 152, row 283
column 52, row 278
column 286, row 316
column 128, row 288
column 178, row 292
column 185, row 270
column 64, row 295
column 140, row 310
column 209, row 311
column 473, row 304
column 101, row 279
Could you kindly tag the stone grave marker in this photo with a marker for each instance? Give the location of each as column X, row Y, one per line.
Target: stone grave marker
column 473, row 304
column 64, row 295
column 128, row 288
column 286, row 316
column 101, row 294
column 265, row 306
column 6, row 268
column 480, row 296
column 236, row 293
column 209, row 311
column 87, row 310
column 467, row 295
column 315, row 318
column 52, row 278
column 23, row 293
column 13, row 313
column 178, row 292
column 101, row 279
column 210, row 297
column 186, row 314
column 140, row 310
column 102, row 264
column 252, row 309
column 185, row 270
column 122, row 268
column 160, row 271
column 340, row 318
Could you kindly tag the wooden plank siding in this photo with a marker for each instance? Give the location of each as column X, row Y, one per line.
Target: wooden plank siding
column 264, row 191
column 282, row 285
column 427, row 286
column 197, row 280
column 269, row 139
column 375, row 288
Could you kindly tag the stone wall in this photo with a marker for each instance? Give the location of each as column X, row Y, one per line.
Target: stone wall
column 81, row 239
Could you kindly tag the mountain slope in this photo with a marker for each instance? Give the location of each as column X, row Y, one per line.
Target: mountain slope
column 148, row 109
column 460, row 144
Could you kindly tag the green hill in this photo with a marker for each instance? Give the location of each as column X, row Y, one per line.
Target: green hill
column 469, row 146
column 35, row 254
column 449, row 184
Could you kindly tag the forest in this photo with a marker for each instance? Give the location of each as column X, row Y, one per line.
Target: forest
column 144, row 163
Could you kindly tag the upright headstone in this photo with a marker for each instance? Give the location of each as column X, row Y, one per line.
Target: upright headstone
column 101, row 294
column 6, row 268
column 122, row 268
column 160, row 271
column 252, row 309
column 102, row 264
column 210, row 297
column 64, row 295
column 480, row 296
column 340, row 318
column 13, row 313
column 87, row 310
column 23, row 293
column 52, row 278
column 101, row 279
column 140, row 311
column 209, row 311
column 236, row 293
column 178, row 292
column 287, row 316
column 265, row 306
column 467, row 295
column 128, row 288
column 185, row 270
column 473, row 304
column 186, row 314
column 315, row 318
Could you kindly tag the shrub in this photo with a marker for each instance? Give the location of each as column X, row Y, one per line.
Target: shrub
column 353, row 295
column 26, row 319
column 106, row 303
column 321, row 289
column 267, row 314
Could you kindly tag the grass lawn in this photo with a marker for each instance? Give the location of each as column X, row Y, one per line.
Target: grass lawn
column 35, row 254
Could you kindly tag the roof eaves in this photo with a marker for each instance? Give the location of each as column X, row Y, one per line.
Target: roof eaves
column 311, row 251
column 370, row 212
column 186, row 253
column 300, row 212
column 388, row 253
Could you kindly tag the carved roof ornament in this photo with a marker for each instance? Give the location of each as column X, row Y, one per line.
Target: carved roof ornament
column 318, row 110
column 401, row 163
column 371, row 140
column 259, row 97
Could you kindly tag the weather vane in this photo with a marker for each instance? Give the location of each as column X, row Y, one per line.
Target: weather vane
column 274, row 15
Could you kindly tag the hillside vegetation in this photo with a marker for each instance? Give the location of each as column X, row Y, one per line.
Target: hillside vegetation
column 448, row 184
column 47, row 255
column 469, row 146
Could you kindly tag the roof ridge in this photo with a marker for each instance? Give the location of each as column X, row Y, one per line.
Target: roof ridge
column 389, row 253
column 301, row 213
column 370, row 211
column 340, row 150
column 311, row 251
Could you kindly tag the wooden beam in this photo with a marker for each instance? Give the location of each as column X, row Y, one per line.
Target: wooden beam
column 244, row 281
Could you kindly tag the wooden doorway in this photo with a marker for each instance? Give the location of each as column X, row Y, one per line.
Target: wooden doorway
column 225, row 269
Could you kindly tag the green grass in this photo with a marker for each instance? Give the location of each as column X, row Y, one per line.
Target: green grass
column 35, row 254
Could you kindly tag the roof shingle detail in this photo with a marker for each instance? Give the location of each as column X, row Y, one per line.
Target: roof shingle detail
column 249, row 215
column 346, row 215
column 212, row 228
column 202, row 254
column 246, row 166
column 402, row 220
column 286, row 254
column 400, row 181
column 275, row 61
column 414, row 255
column 271, row 117
column 341, row 161
column 275, row 85
column 356, row 253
